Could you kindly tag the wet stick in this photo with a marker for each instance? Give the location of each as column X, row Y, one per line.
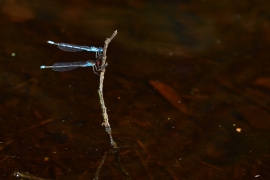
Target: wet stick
column 105, row 122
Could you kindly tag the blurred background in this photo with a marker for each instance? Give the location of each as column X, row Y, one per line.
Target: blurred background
column 186, row 89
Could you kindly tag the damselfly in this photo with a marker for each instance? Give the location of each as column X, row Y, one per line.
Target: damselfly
column 67, row 66
column 76, row 48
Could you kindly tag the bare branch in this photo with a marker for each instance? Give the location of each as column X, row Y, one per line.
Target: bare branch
column 105, row 122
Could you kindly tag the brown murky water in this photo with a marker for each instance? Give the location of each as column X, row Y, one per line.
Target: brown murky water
column 187, row 89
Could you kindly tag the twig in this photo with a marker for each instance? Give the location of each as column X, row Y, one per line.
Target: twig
column 107, row 41
column 106, row 123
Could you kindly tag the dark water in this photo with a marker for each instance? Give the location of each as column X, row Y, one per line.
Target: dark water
column 213, row 57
